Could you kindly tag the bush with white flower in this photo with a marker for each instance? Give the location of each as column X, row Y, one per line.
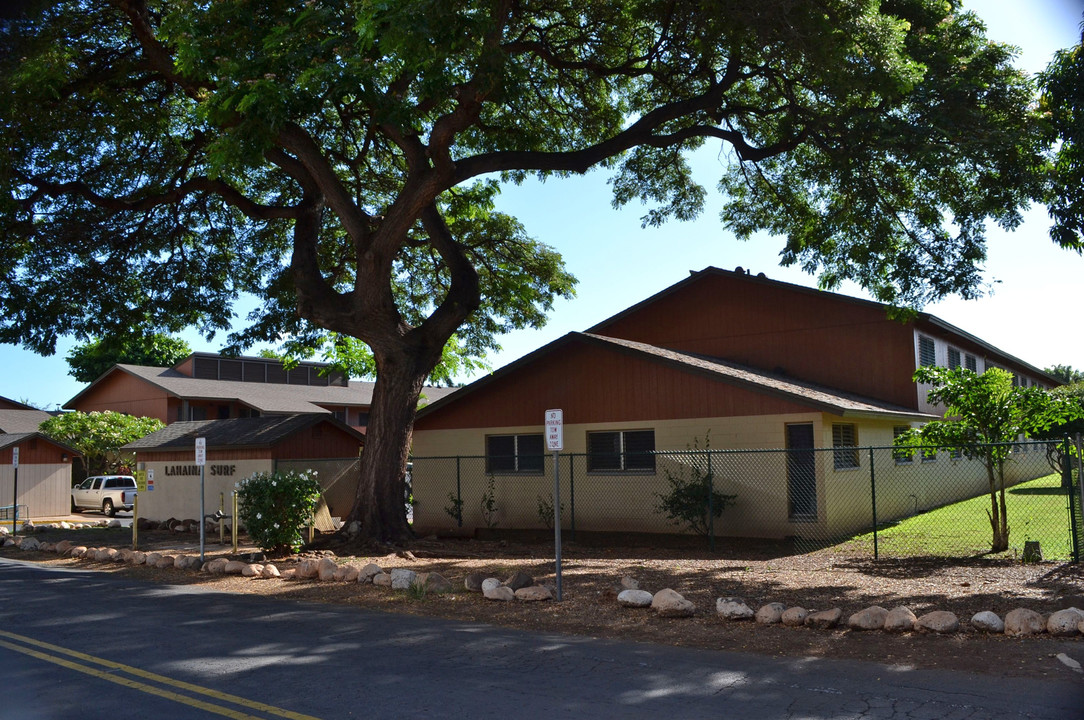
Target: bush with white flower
column 276, row 507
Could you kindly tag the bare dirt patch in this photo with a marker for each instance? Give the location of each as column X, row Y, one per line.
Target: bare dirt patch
column 757, row 573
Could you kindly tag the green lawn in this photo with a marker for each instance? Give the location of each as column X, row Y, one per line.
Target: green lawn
column 1037, row 511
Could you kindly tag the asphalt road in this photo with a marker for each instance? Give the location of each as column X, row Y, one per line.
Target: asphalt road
column 80, row 644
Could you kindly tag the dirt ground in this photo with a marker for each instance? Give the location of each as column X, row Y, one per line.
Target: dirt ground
column 757, row 573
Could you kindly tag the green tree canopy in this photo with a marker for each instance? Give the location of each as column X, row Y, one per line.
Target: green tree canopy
column 1066, row 373
column 1063, row 103
column 89, row 360
column 983, row 414
column 98, row 436
column 341, row 160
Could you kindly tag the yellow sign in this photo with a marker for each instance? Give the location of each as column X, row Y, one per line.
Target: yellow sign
column 141, row 480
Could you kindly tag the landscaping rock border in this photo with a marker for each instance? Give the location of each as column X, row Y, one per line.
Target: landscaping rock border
column 666, row 603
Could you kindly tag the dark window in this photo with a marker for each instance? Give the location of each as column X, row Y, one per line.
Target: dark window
column 276, row 373
column 205, row 368
column 255, row 372
column 363, row 419
column 514, row 453
column 229, row 370
column 299, row 376
column 223, row 412
column 953, row 358
column 926, row 351
column 845, row 442
column 971, row 363
column 621, row 450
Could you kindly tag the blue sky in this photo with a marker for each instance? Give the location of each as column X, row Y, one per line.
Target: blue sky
column 1035, row 288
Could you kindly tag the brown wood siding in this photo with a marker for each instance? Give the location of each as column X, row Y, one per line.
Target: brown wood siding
column 185, row 366
column 817, row 337
column 6, row 404
column 36, row 452
column 593, row 384
column 121, row 392
column 318, row 442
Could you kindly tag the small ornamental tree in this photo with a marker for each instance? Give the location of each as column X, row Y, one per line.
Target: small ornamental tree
column 983, row 414
column 275, row 507
column 99, row 436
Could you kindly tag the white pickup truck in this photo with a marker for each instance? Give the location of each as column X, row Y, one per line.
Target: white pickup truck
column 103, row 492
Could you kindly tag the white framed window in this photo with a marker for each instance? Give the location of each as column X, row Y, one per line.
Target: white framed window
column 515, row 453
column 620, row 450
column 845, row 446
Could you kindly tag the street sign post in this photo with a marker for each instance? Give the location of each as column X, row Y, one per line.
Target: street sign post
column 555, row 441
column 15, row 488
column 201, row 460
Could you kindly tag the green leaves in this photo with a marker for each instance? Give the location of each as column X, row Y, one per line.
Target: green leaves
column 1063, row 107
column 275, row 507
column 987, row 409
column 91, row 359
column 98, row 436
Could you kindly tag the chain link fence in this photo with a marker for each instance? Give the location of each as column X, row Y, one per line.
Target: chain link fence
column 338, row 480
column 872, row 501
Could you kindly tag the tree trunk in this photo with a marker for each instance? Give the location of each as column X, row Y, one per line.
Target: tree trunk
column 380, row 505
column 1004, row 544
column 999, row 533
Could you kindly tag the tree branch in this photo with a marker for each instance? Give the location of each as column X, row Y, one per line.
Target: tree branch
column 232, row 196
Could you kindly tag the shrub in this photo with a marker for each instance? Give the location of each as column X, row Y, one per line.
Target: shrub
column 488, row 504
column 545, row 510
column 685, row 504
column 276, row 507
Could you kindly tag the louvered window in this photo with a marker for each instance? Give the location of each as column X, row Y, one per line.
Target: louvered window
column 927, row 354
column 845, row 444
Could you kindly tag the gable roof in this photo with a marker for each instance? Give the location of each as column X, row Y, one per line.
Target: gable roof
column 920, row 318
column 9, row 404
column 9, row 439
column 234, row 433
column 272, row 398
column 820, row 397
column 22, row 421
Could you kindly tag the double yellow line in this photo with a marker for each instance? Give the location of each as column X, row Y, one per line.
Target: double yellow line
column 81, row 662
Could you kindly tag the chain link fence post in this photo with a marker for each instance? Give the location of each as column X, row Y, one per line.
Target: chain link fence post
column 458, row 494
column 572, row 495
column 711, row 514
column 873, row 499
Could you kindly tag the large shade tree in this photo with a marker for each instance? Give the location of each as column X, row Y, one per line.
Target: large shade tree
column 342, row 159
column 1063, row 102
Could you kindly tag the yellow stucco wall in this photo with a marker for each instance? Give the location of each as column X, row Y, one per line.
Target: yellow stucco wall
column 626, row 501
column 177, row 487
